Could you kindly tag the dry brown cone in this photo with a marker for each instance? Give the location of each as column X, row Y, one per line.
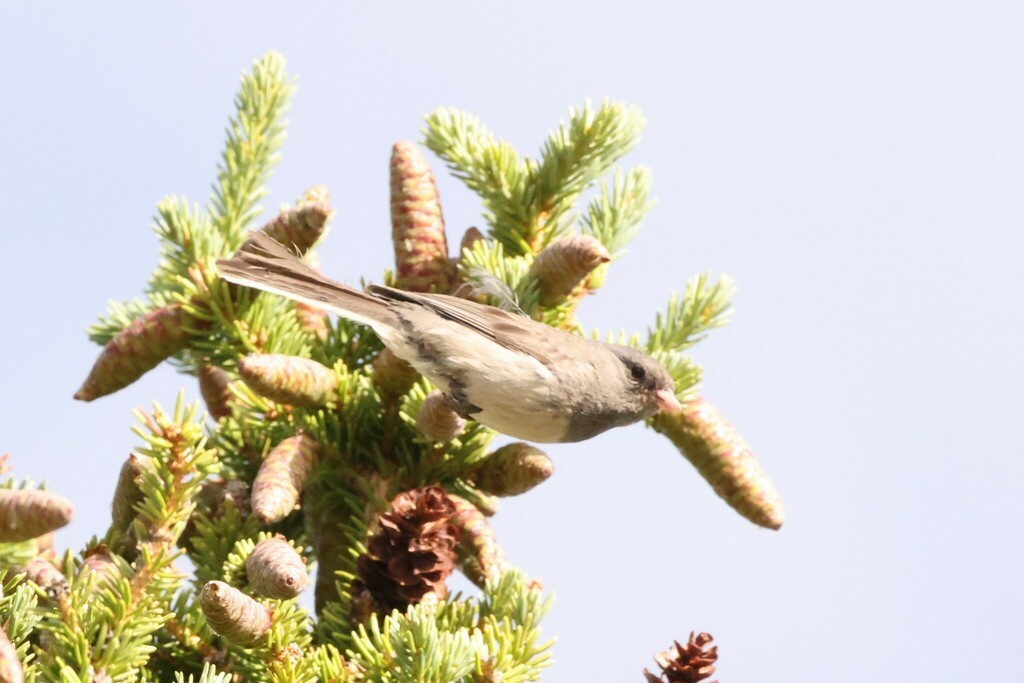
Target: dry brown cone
column 512, row 469
column 724, row 459
column 137, row 349
column 214, row 386
column 289, row 379
column 417, row 226
column 301, row 226
column 564, row 265
column 233, row 615
column 686, row 663
column 10, row 666
column 481, row 558
column 279, row 481
column 276, row 570
column 413, row 553
column 28, row 513
column 436, row 420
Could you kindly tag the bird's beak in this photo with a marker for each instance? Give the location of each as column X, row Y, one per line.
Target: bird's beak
column 667, row 401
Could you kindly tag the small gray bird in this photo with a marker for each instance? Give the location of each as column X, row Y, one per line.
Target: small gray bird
column 513, row 374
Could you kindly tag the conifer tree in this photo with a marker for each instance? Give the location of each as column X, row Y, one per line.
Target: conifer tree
column 319, row 449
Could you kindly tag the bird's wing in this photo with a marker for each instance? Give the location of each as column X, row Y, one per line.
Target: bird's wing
column 265, row 264
column 514, row 332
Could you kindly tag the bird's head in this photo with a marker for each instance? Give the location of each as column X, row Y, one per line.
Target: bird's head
column 647, row 382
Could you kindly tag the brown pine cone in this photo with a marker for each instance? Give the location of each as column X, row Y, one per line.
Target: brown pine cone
column 413, row 553
column 686, row 663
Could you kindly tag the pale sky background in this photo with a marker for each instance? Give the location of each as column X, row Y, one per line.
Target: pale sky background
column 858, row 167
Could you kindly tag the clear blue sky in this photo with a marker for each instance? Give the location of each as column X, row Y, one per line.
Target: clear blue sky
column 858, row 167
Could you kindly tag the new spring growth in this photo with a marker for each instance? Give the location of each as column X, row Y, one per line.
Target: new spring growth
column 28, row 513
column 233, row 615
column 564, row 265
column 724, row 459
column 436, row 420
column 289, row 379
column 512, row 469
column 137, row 349
column 279, row 481
column 275, row 569
column 417, row 226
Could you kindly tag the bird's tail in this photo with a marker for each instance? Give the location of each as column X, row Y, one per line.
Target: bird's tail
column 264, row 264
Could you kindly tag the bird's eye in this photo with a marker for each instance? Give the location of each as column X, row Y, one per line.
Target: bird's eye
column 637, row 372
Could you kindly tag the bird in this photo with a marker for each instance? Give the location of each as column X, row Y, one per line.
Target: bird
column 513, row 374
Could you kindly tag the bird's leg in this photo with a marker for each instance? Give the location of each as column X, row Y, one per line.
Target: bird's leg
column 456, row 400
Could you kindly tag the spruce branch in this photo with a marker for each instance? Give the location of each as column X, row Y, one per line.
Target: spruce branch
column 254, row 137
column 614, row 216
column 577, row 154
column 703, row 306
column 367, row 469
column 489, row 167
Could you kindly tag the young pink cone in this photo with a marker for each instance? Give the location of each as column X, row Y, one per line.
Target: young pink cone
column 279, row 481
column 512, row 469
column 312, row 318
column 564, row 265
column 214, row 386
column 417, row 226
column 137, row 349
column 44, row 574
column 392, row 374
column 28, row 513
column 469, row 239
column 724, row 459
column 301, row 226
column 100, row 564
column 276, row 570
column 10, row 666
column 289, row 379
column 481, row 558
column 233, row 615
column 127, row 493
column 436, row 420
